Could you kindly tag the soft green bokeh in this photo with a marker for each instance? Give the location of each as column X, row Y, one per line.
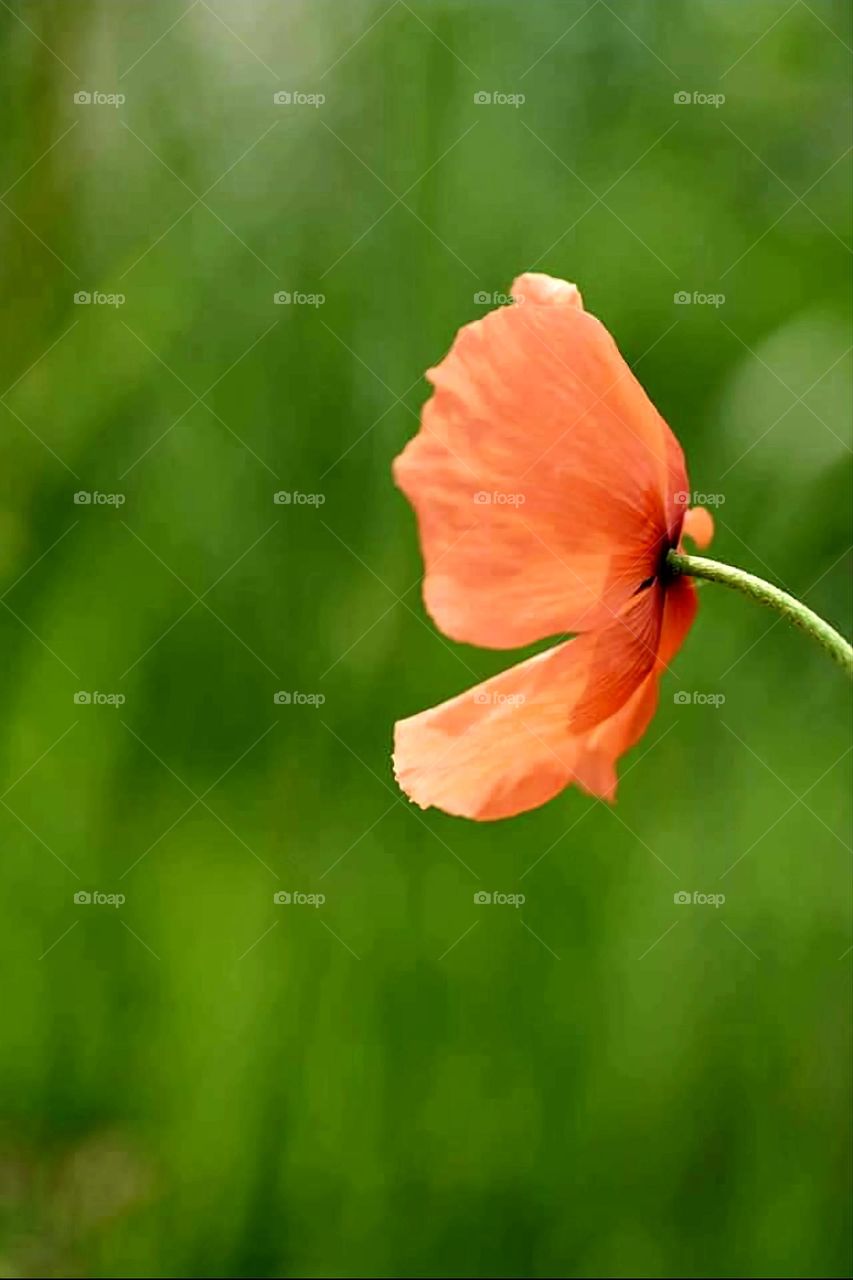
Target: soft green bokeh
column 402, row 1082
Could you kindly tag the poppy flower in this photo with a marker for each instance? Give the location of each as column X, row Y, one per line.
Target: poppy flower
column 548, row 492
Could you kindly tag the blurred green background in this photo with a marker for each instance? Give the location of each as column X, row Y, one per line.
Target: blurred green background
column 401, row 1081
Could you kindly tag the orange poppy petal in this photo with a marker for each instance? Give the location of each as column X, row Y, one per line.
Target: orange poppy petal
column 563, row 716
column 698, row 525
column 541, row 477
column 611, row 739
column 546, row 291
column 679, row 610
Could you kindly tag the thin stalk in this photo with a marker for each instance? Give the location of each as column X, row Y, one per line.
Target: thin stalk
column 765, row 593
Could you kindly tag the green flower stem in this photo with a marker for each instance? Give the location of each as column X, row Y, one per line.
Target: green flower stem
column 765, row 593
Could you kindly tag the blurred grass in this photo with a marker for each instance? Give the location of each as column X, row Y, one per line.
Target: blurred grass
column 201, row 1082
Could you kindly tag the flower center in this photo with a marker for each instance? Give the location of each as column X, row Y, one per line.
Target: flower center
column 663, row 572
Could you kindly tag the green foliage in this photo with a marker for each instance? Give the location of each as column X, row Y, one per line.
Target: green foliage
column 401, row 1081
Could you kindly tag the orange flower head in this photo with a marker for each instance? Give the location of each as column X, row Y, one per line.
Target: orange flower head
column 548, row 492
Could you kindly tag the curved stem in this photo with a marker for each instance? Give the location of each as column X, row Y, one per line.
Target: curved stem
column 765, row 593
